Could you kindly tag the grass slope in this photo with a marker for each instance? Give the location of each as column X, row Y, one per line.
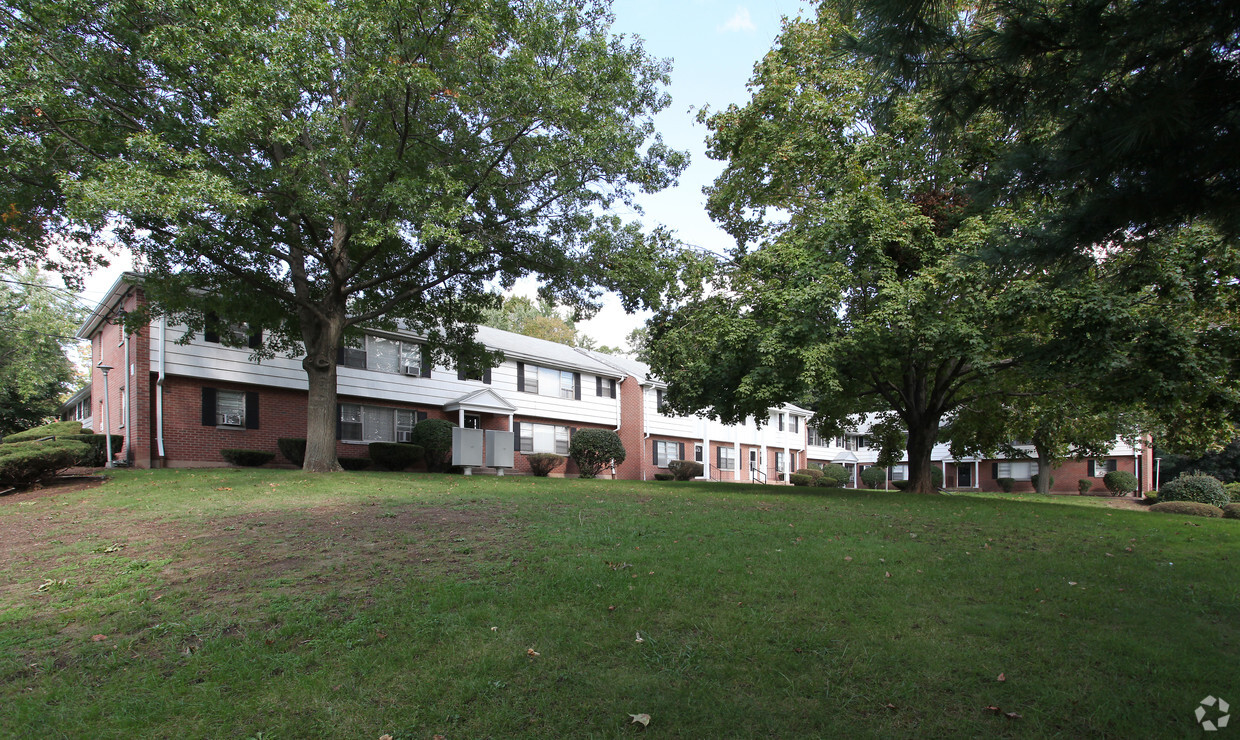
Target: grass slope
column 236, row 603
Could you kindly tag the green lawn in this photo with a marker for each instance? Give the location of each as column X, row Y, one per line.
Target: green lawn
column 271, row 604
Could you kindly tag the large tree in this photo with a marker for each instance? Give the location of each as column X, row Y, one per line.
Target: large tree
column 1128, row 113
column 311, row 167
column 37, row 323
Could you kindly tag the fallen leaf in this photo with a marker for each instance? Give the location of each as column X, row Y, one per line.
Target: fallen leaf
column 532, row 654
column 385, row 737
column 611, row 608
column 639, row 638
column 99, row 638
column 1001, row 677
column 1012, row 715
column 1071, row 583
column 996, row 710
column 891, row 706
column 495, row 629
column 382, row 635
column 888, row 574
column 847, row 558
column 640, row 719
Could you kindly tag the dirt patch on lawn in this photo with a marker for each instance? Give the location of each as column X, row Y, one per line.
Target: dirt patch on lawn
column 345, row 548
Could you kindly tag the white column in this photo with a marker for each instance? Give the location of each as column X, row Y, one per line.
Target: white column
column 736, row 469
column 787, row 466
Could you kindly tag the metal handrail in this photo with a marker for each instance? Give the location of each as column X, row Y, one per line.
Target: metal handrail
column 757, row 476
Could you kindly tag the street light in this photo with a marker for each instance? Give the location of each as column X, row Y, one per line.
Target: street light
column 107, row 411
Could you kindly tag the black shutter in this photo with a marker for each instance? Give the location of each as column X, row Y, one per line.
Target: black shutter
column 612, row 382
column 598, row 385
column 339, row 424
column 576, row 386
column 516, row 434
column 719, row 458
column 208, row 407
column 340, row 355
column 486, row 376
column 419, row 416
column 994, row 471
column 426, row 362
column 211, row 331
column 1091, row 471
column 658, row 400
column 654, row 452
column 256, row 339
column 680, row 452
column 521, row 376
column 251, row 409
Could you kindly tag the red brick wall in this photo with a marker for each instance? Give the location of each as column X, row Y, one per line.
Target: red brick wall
column 1065, row 476
column 636, row 449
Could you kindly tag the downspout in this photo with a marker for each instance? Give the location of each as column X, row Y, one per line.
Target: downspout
column 159, row 388
column 126, row 394
column 619, row 403
column 645, row 431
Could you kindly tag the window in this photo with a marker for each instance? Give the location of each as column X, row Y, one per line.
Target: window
column 230, row 408
column 543, row 438
column 794, row 423
column 779, row 460
column 384, row 355
column 360, row 423
column 781, row 422
column 658, row 400
column 697, row 453
column 725, row 458
column 1017, row 469
column 899, row 472
column 604, row 387
column 1099, row 468
column 813, row 439
column 238, row 335
column 547, row 381
column 665, row 452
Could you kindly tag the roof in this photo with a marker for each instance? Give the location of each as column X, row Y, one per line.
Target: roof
column 114, row 295
column 636, row 368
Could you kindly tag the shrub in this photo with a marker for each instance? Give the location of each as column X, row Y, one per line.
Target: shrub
column 1232, row 490
column 874, row 477
column 1231, row 511
column 293, row 449
column 98, row 443
column 55, row 429
column 395, row 455
column 542, row 463
column 354, row 463
column 1151, row 497
column 247, row 458
column 800, row 479
column 936, row 477
column 900, row 485
column 827, row 481
column 684, row 469
column 23, row 463
column 835, row 475
column 1037, row 477
column 434, row 436
column 1006, row 484
column 814, row 473
column 1204, row 489
column 1085, row 485
column 664, row 476
column 595, row 449
column 1190, row 508
column 1120, row 482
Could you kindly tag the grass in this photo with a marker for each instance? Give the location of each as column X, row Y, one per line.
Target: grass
column 249, row 604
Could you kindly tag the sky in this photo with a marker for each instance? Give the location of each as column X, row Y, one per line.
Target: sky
column 713, row 45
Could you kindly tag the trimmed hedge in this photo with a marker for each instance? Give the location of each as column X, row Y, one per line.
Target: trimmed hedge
column 595, row 449
column 1204, row 489
column 1120, row 482
column 247, row 458
column 814, row 473
column 1232, row 490
column 293, row 449
column 1085, row 485
column 684, row 469
column 1231, row 511
column 395, row 455
column 23, row 463
column 542, row 463
column 1006, row 484
column 835, row 475
column 55, row 429
column 1036, row 477
column 98, row 443
column 801, row 479
column 1151, row 497
column 434, row 436
column 354, row 463
column 664, row 476
column 827, row 481
column 874, row 477
column 1189, row 508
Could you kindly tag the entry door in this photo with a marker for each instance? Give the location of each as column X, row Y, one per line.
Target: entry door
column 964, row 475
column 753, row 459
column 472, row 422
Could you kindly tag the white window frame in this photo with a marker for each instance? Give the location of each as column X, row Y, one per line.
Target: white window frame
column 1018, row 469
column 535, row 438
column 899, row 471
column 780, row 462
column 230, row 409
column 727, row 458
column 665, row 452
column 360, row 429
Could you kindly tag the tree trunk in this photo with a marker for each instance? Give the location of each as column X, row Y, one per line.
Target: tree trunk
column 921, row 439
column 1045, row 463
column 321, row 342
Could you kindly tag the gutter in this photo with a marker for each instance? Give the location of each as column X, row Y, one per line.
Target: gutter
column 159, row 387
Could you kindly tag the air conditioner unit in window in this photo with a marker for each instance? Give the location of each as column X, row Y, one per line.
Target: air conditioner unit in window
column 230, row 420
column 404, row 436
column 413, row 370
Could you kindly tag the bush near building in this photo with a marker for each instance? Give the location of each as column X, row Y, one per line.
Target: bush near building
column 1203, row 489
column 595, row 449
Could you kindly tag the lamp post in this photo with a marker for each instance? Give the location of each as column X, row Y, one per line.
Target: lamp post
column 107, row 411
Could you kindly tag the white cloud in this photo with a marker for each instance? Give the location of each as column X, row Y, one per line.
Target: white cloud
column 740, row 21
